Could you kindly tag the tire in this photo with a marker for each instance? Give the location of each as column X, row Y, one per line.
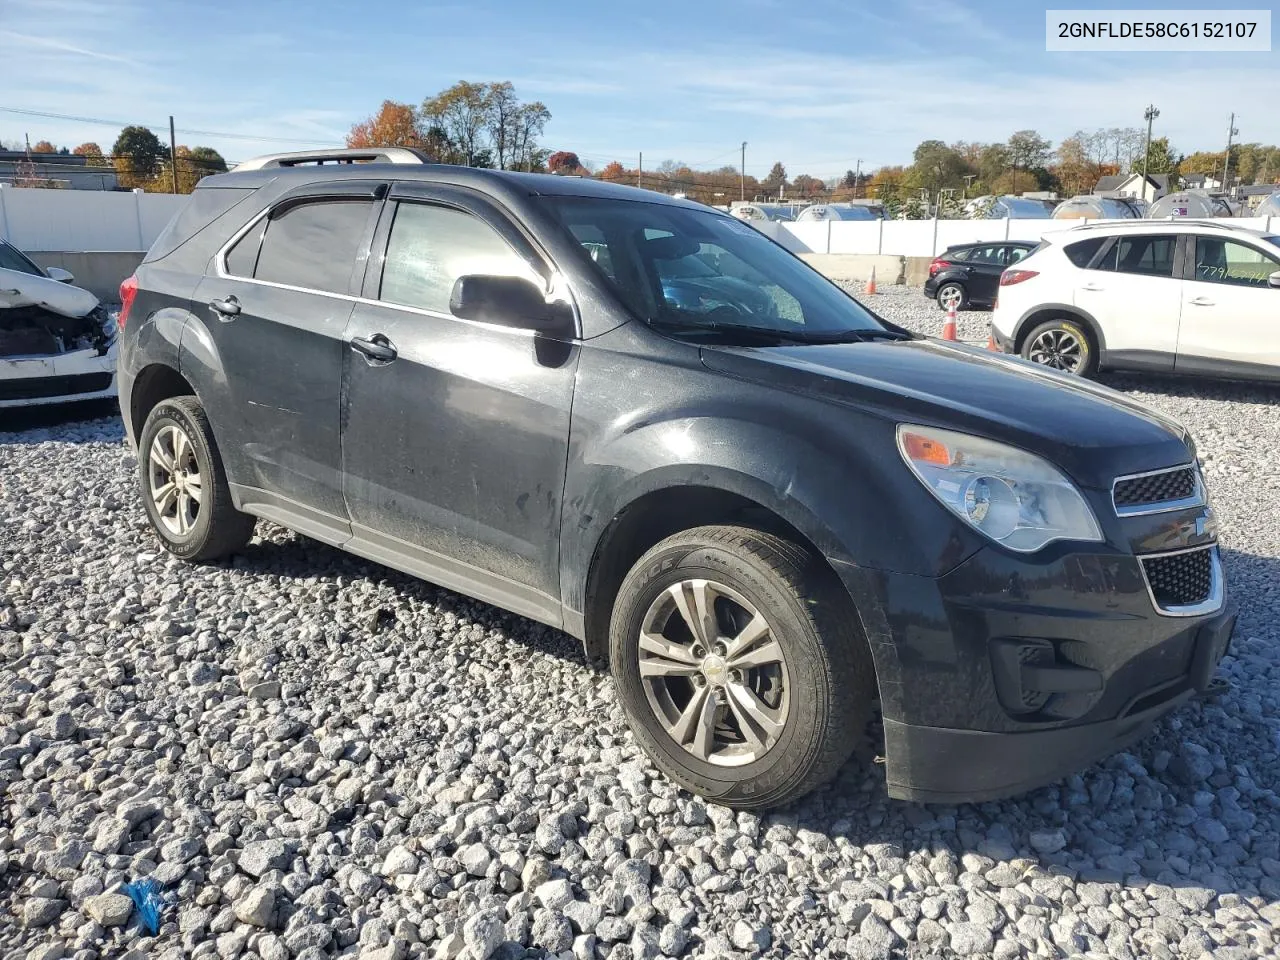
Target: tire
column 1062, row 344
column 200, row 528
column 951, row 288
column 820, row 689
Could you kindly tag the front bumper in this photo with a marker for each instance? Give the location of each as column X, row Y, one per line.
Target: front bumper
column 59, row 378
column 964, row 662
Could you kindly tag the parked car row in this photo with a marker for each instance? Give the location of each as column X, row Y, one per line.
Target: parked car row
column 1179, row 296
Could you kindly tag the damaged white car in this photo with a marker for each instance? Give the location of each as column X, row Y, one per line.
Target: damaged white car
column 57, row 342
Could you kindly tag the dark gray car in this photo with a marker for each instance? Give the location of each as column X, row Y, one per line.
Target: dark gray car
column 643, row 422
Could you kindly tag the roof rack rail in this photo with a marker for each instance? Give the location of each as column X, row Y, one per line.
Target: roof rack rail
column 397, row 155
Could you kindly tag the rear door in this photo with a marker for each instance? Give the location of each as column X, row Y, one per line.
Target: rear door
column 1230, row 312
column 1134, row 291
column 275, row 309
column 984, row 265
column 455, row 439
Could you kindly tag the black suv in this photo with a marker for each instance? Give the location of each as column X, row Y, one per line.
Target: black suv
column 643, row 422
column 968, row 274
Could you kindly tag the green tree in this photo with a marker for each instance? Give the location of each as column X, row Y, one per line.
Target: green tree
column 138, row 155
column 207, row 160
column 937, row 166
column 1161, row 158
column 775, row 181
column 1028, row 150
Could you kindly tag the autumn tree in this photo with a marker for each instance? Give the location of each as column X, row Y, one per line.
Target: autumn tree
column 613, row 172
column 564, row 161
column 92, row 154
column 463, row 112
column 394, row 125
column 44, row 146
column 138, row 155
column 808, row 187
column 886, row 183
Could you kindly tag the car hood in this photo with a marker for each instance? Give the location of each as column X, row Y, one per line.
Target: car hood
column 19, row 289
column 1092, row 432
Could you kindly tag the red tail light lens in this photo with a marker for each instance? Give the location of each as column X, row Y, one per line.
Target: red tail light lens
column 128, row 290
column 938, row 264
column 1010, row 277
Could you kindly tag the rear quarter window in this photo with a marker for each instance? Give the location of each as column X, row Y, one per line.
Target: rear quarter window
column 202, row 208
column 1082, row 251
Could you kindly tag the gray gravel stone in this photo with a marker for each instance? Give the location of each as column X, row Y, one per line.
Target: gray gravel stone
column 109, row 909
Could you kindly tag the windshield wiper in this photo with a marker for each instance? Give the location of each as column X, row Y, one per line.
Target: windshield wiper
column 769, row 336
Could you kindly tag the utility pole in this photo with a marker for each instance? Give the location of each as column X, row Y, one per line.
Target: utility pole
column 1148, row 115
column 1226, row 159
column 968, row 182
column 173, row 157
column 742, row 176
column 857, row 181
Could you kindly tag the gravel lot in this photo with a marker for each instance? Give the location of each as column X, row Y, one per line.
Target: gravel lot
column 320, row 757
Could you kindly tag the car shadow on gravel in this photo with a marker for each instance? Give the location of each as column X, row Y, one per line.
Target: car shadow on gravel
column 22, row 425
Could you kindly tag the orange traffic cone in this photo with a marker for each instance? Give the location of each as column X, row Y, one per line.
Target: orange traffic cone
column 949, row 325
column 871, row 283
column 991, row 343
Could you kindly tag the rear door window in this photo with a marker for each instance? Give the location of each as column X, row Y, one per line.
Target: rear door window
column 313, row 245
column 991, row 255
column 1143, row 256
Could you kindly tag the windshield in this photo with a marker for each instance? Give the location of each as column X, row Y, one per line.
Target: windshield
column 689, row 272
column 12, row 259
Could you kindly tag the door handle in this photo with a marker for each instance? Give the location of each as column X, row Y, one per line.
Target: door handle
column 377, row 349
column 1201, row 302
column 228, row 307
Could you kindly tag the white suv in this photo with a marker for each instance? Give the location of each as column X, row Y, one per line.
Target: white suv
column 1171, row 296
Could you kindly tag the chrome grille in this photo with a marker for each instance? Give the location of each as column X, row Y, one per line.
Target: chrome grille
column 1185, row 583
column 1156, row 491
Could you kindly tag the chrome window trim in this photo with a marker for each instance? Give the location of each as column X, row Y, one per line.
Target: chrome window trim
column 1197, row 499
column 221, row 272
column 1211, row 604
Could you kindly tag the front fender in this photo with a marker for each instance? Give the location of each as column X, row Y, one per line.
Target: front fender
column 852, row 498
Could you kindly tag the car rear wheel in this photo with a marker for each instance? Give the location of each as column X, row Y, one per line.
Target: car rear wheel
column 740, row 666
column 952, row 296
column 1062, row 344
column 184, row 487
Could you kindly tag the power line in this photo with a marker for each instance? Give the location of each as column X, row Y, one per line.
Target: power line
column 125, row 123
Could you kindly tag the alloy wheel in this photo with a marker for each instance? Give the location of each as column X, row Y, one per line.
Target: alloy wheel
column 175, row 484
column 1058, row 349
column 714, row 673
column 950, row 297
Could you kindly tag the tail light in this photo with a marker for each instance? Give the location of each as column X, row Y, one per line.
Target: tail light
column 128, row 290
column 938, row 264
column 1010, row 277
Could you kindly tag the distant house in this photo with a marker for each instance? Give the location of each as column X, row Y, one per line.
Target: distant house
column 1150, row 187
column 1255, row 195
column 64, row 170
column 1201, row 181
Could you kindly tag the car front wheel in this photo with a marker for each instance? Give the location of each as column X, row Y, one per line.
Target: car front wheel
column 184, row 487
column 740, row 666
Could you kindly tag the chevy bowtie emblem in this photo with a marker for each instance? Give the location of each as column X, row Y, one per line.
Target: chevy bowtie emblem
column 1206, row 524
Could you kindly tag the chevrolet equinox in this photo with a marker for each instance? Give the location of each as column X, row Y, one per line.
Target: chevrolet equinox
column 643, row 422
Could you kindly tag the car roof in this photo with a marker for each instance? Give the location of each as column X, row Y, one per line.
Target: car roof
column 1171, row 225
column 494, row 182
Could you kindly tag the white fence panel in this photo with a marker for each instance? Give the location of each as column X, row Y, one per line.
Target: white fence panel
column 855, row 236
column 807, row 237
column 84, row 220
column 951, row 232
column 908, row 238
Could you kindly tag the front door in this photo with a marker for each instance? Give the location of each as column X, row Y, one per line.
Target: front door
column 276, row 307
column 455, row 433
column 1135, row 294
column 1230, row 312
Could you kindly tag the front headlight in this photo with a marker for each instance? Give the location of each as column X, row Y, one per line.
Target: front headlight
column 1017, row 499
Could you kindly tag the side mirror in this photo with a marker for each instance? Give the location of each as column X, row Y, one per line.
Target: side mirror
column 62, row 276
column 508, row 302
column 1274, row 279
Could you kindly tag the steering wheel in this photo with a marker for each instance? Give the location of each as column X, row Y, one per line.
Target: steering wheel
column 726, row 312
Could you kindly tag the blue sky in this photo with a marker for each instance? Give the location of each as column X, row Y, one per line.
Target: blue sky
column 816, row 85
